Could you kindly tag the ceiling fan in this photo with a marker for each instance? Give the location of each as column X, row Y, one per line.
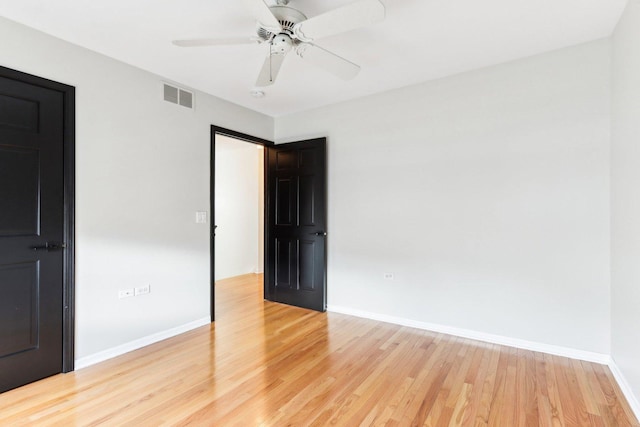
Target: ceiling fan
column 285, row 29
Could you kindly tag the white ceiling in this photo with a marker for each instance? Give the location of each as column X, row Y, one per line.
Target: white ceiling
column 419, row 40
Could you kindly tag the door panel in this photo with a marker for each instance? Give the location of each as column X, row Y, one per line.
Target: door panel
column 32, row 215
column 283, row 263
column 307, row 196
column 18, row 113
column 295, row 272
column 284, row 195
column 20, row 192
column 306, row 262
column 18, row 307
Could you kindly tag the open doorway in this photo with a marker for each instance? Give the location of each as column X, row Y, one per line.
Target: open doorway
column 237, row 207
column 295, row 218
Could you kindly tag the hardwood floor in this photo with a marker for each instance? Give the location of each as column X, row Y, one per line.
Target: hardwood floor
column 266, row 364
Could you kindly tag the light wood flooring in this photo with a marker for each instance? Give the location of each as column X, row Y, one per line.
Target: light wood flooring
column 266, row 364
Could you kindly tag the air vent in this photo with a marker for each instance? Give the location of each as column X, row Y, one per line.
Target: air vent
column 176, row 95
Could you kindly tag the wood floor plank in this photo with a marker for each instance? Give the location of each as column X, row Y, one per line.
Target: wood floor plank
column 484, row 411
column 378, row 388
column 499, row 396
column 267, row 364
column 439, row 413
column 547, row 417
column 424, row 392
column 476, row 381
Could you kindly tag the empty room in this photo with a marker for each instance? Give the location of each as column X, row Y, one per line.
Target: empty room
column 436, row 221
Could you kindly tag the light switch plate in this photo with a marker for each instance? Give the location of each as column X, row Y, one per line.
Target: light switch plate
column 201, row 217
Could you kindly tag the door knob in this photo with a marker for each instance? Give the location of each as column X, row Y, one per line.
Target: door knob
column 49, row 246
column 320, row 233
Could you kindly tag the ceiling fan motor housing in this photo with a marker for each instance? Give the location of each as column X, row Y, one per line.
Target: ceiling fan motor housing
column 288, row 18
column 281, row 44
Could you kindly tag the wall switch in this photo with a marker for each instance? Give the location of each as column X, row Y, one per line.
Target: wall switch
column 388, row 276
column 201, row 217
column 125, row 293
column 143, row 290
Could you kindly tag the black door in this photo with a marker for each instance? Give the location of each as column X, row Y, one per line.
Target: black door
column 31, row 232
column 295, row 271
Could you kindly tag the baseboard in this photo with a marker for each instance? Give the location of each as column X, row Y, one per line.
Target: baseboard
column 101, row 356
column 603, row 359
column 626, row 388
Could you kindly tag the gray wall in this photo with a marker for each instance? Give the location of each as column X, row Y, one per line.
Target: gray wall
column 486, row 194
column 625, row 199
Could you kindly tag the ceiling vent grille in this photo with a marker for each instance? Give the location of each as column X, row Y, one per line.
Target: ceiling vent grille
column 179, row 96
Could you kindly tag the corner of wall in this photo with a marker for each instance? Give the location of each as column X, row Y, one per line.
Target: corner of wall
column 626, row 389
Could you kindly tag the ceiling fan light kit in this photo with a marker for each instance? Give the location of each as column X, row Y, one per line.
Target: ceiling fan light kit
column 285, row 29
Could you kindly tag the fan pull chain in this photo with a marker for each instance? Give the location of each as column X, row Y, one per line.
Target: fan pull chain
column 270, row 63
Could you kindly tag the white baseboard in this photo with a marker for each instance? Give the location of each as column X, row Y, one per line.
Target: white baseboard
column 101, row 356
column 603, row 359
column 626, row 388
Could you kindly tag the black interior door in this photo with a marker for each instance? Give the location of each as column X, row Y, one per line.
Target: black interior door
column 31, row 232
column 295, row 268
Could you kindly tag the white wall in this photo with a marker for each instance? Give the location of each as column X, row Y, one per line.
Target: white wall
column 625, row 198
column 486, row 194
column 239, row 181
column 142, row 172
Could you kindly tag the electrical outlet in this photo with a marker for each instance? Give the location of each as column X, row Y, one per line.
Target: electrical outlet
column 388, row 276
column 143, row 290
column 126, row 293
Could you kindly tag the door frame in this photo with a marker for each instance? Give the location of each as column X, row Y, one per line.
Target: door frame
column 217, row 130
column 68, row 257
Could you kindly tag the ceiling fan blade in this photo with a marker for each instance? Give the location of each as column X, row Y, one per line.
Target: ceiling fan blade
column 216, row 42
column 270, row 70
column 330, row 62
column 263, row 15
column 349, row 17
